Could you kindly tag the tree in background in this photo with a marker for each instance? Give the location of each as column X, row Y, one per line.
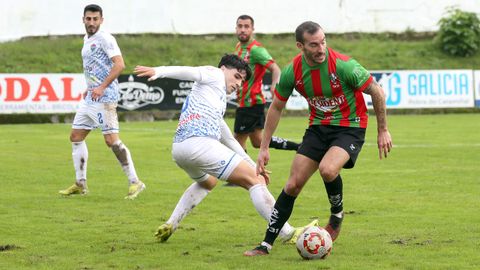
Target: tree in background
column 459, row 33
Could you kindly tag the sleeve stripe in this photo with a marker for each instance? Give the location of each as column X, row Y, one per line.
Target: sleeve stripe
column 279, row 96
column 365, row 85
column 269, row 63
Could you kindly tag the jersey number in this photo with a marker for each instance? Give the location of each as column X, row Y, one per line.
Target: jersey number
column 100, row 119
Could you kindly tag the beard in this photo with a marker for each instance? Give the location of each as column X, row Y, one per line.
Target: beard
column 243, row 38
column 316, row 58
column 91, row 30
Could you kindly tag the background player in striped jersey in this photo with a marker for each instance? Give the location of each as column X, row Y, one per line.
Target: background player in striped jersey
column 332, row 84
column 204, row 146
column 102, row 64
column 250, row 114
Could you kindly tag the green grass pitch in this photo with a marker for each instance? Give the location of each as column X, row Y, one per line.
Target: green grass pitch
column 418, row 209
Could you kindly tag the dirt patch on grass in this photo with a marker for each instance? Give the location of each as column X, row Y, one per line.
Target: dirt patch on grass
column 8, row 247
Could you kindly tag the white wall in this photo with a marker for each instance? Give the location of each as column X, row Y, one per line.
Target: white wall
column 19, row 18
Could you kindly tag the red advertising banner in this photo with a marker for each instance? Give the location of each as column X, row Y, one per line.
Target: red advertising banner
column 40, row 93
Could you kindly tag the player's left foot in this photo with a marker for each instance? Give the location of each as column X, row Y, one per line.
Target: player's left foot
column 293, row 239
column 333, row 226
column 258, row 251
column 74, row 189
column 135, row 189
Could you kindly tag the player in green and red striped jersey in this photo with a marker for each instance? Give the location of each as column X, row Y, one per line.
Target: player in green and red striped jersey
column 332, row 84
column 250, row 114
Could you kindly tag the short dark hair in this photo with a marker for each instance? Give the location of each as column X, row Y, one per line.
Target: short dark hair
column 309, row 27
column 246, row 17
column 233, row 61
column 93, row 8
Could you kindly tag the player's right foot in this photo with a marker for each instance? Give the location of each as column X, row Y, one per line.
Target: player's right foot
column 293, row 240
column 333, row 226
column 164, row 232
column 135, row 189
column 258, row 251
column 74, row 190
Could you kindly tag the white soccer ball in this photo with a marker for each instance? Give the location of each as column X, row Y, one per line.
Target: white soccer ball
column 314, row 243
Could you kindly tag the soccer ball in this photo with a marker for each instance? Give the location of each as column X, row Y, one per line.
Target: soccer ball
column 314, row 243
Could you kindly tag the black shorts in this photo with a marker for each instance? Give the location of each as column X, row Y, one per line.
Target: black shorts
column 318, row 139
column 247, row 119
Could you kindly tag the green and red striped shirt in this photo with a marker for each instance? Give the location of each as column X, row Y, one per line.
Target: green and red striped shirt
column 333, row 89
column 259, row 60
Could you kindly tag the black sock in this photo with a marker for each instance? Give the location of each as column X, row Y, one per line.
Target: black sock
column 283, row 144
column 281, row 213
column 335, row 194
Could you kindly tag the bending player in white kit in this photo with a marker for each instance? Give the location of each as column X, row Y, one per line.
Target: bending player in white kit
column 203, row 145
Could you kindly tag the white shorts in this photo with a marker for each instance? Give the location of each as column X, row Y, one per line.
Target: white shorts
column 201, row 157
column 91, row 116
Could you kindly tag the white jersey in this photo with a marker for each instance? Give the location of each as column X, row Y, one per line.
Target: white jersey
column 204, row 107
column 97, row 52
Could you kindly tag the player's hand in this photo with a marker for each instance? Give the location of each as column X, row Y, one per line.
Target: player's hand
column 384, row 142
column 142, row 71
column 266, row 177
column 97, row 93
column 262, row 162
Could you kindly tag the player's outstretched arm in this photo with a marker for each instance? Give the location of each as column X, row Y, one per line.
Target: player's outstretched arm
column 143, row 71
column 384, row 139
column 174, row 72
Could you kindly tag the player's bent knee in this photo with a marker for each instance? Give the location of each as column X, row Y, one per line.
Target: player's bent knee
column 256, row 145
column 76, row 137
column 328, row 172
column 209, row 184
column 292, row 188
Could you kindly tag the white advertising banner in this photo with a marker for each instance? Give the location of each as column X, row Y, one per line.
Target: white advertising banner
column 40, row 93
column 477, row 87
column 412, row 89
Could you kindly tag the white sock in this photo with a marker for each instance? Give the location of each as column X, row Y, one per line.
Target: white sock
column 267, row 245
column 123, row 156
column 80, row 158
column 192, row 196
column 263, row 201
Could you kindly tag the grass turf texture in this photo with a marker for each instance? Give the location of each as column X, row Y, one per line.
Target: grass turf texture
column 418, row 209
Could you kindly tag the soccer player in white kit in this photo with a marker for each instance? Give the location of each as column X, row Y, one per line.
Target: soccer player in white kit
column 102, row 64
column 203, row 145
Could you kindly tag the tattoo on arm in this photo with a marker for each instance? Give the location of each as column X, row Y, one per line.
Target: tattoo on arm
column 379, row 106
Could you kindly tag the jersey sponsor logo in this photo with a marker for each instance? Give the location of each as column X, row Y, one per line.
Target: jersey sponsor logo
column 189, row 118
column 134, row 95
column 325, row 104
